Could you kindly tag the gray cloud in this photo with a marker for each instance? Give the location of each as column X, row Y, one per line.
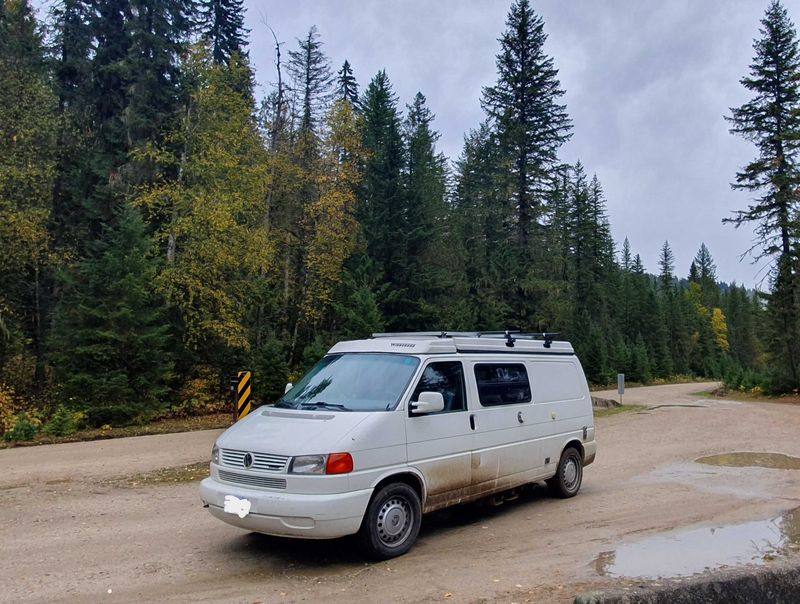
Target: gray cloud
column 647, row 85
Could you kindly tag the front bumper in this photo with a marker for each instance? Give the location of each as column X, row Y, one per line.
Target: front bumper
column 289, row 514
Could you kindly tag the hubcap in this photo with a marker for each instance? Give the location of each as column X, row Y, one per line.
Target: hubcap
column 570, row 473
column 394, row 521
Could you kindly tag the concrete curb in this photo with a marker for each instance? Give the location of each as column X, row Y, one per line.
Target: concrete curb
column 778, row 583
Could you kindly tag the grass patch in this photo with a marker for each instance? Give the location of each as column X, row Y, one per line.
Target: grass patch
column 617, row 410
column 164, row 426
column 176, row 475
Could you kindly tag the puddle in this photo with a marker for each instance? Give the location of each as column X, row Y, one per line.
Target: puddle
column 775, row 461
column 686, row 553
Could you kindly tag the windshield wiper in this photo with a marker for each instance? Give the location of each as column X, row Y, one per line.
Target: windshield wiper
column 323, row 405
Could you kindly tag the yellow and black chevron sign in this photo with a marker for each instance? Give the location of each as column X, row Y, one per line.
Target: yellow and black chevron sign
column 244, row 394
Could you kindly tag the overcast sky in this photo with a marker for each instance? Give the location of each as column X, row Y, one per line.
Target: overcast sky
column 647, row 85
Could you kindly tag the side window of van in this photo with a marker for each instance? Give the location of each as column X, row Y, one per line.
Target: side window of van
column 447, row 378
column 502, row 384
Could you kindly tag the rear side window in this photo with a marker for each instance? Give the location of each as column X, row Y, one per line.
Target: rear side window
column 502, row 384
column 555, row 381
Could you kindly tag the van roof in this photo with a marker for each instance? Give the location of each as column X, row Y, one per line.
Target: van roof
column 464, row 342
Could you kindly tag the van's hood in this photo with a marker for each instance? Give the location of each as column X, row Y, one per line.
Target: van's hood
column 291, row 432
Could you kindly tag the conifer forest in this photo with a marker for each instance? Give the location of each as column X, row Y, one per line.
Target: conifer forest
column 162, row 226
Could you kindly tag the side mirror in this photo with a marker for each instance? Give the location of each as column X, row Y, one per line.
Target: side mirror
column 288, row 387
column 429, row 402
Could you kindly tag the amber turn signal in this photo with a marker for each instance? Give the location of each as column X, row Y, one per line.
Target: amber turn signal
column 339, row 463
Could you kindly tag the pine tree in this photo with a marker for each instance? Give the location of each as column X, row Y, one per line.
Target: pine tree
column 381, row 199
column 426, row 277
column 602, row 242
column 158, row 31
column 72, row 76
column 110, row 342
column 310, row 71
column 346, row 85
column 771, row 121
column 666, row 263
column 102, row 186
column 221, row 23
column 480, row 216
column 626, row 259
column 531, row 125
column 705, row 276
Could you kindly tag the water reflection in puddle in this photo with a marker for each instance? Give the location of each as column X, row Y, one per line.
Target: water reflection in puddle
column 686, row 553
column 775, row 461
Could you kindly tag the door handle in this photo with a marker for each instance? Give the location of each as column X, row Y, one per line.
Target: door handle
column 520, row 418
column 472, row 420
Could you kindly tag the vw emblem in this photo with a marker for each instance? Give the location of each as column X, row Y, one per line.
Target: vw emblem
column 248, row 460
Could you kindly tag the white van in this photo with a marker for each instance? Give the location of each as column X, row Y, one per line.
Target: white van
column 383, row 430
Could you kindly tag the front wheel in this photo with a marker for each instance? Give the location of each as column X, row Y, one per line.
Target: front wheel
column 391, row 522
column 567, row 481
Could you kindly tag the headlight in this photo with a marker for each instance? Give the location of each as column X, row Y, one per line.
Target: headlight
column 309, row 464
column 215, row 454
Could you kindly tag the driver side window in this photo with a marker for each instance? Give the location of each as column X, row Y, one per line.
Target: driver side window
column 446, row 378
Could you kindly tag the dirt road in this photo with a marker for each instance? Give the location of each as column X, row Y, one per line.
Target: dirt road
column 69, row 534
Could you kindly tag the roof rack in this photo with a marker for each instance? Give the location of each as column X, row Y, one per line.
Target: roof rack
column 509, row 335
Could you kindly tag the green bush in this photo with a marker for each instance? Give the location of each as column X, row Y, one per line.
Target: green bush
column 63, row 423
column 24, row 429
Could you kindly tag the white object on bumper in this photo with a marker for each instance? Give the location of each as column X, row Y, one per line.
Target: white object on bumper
column 234, row 505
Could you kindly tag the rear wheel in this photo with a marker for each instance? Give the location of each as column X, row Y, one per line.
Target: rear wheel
column 569, row 475
column 391, row 522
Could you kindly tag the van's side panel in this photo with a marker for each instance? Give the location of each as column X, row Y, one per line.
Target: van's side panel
column 562, row 404
column 504, row 452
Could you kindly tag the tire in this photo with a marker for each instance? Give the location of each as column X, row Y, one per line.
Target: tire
column 391, row 522
column 569, row 475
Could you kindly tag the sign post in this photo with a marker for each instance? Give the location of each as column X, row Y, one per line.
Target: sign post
column 241, row 388
column 620, row 386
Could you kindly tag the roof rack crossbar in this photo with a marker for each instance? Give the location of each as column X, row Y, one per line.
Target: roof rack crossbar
column 509, row 335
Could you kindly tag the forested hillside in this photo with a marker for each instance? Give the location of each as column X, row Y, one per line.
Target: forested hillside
column 161, row 226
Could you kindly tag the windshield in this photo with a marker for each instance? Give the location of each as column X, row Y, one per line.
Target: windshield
column 353, row 382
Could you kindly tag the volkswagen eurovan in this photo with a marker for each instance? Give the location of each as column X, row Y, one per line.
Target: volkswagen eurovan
column 386, row 429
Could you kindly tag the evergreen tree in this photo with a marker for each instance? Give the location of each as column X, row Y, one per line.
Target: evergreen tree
column 483, row 231
column 705, row 276
column 221, row 23
column 102, row 186
column 346, row 85
column 110, row 347
column 381, row 199
column 666, row 263
column 530, row 124
column 72, row 77
column 771, row 121
column 626, row 259
column 310, row 71
column 425, row 277
column 602, row 242
column 158, row 31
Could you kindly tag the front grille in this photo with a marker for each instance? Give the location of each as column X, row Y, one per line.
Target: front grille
column 253, row 480
column 261, row 461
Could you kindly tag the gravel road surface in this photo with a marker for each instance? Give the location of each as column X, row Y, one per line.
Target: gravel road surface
column 77, row 524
